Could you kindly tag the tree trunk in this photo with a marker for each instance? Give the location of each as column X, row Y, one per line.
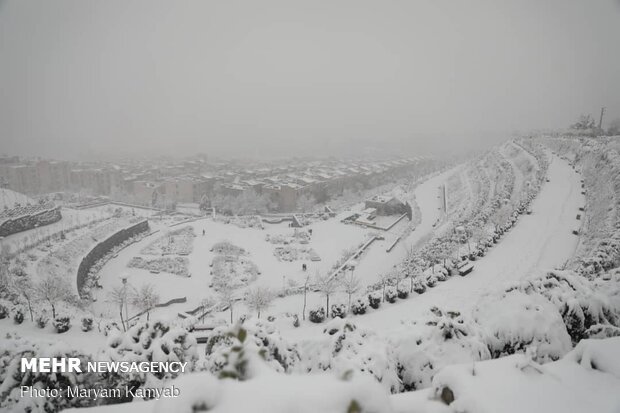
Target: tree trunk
column 411, row 284
column 231, row 314
column 303, row 313
column 349, row 310
column 327, row 310
column 53, row 311
column 122, row 320
column 30, row 310
column 383, row 295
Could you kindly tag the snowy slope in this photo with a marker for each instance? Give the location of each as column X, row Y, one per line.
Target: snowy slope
column 9, row 198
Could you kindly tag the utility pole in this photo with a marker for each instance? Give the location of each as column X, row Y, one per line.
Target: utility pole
column 600, row 121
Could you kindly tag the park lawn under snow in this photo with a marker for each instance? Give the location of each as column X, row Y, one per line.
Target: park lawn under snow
column 329, row 239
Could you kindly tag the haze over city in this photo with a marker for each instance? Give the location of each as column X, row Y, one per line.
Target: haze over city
column 88, row 80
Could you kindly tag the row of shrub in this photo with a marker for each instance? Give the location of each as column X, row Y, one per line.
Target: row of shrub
column 360, row 305
column 61, row 324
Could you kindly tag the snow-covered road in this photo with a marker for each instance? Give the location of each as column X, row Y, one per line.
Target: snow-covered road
column 539, row 241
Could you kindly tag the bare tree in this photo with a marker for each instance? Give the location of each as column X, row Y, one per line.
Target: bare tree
column 120, row 296
column 205, row 304
column 226, row 295
column 145, row 299
column 306, row 285
column 385, row 280
column 327, row 285
column 351, row 285
column 53, row 290
column 259, row 299
column 22, row 286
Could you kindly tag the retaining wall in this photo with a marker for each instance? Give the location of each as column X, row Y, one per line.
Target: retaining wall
column 104, row 247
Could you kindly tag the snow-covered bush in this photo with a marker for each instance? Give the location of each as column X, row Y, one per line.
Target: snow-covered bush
column 345, row 348
column 18, row 317
column 440, row 338
column 12, row 349
column 431, row 280
column 87, row 324
column 317, row 315
column 62, row 324
column 339, row 310
column 419, row 287
column 374, row 300
column 515, row 322
column 359, row 306
column 4, row 312
column 263, row 390
column 390, row 295
column 264, row 338
column 151, row 341
column 581, row 302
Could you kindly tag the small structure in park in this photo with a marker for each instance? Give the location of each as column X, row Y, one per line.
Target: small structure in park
column 385, row 205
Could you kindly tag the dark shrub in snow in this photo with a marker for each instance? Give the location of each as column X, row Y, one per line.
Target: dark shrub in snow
column 390, row 295
column 339, row 310
column 402, row 293
column 317, row 315
column 358, row 306
column 41, row 321
column 374, row 301
column 87, row 323
column 419, row 287
column 18, row 317
column 62, row 324
column 4, row 312
column 296, row 321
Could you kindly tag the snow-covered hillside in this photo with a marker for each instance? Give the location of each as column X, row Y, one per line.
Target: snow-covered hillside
column 9, row 199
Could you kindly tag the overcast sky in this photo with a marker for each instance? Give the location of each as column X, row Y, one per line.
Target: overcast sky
column 87, row 78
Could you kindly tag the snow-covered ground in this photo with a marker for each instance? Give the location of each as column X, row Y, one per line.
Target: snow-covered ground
column 409, row 344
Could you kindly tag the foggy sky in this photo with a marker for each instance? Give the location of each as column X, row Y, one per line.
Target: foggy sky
column 110, row 78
